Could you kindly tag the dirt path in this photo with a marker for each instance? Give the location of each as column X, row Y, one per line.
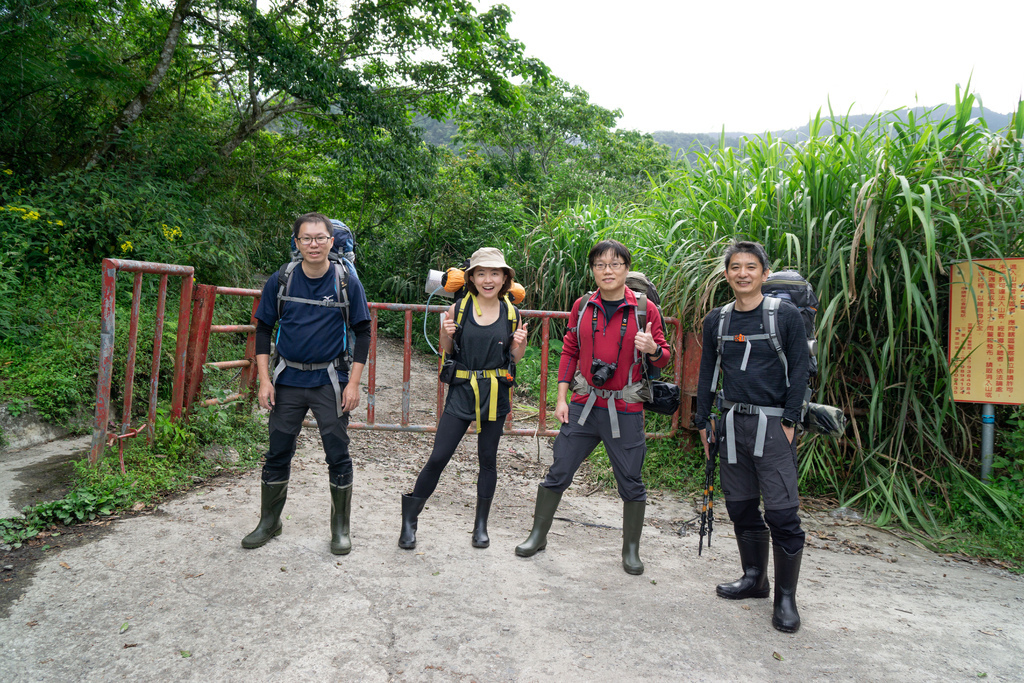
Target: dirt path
column 173, row 596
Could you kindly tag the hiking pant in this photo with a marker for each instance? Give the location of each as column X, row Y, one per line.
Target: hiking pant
column 771, row 477
column 290, row 407
column 626, row 454
column 450, row 431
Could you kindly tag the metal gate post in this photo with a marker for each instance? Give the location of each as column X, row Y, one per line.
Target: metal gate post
column 181, row 348
column 129, row 368
column 198, row 341
column 158, row 338
column 99, row 433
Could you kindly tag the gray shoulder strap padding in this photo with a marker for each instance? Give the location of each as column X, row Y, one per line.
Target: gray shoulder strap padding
column 723, row 327
column 770, row 312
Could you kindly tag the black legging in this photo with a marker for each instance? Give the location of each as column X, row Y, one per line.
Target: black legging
column 450, row 431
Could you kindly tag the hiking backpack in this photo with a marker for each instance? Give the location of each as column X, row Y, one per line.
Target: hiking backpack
column 342, row 269
column 794, row 288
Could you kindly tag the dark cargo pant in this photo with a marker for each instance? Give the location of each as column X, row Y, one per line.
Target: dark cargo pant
column 290, row 407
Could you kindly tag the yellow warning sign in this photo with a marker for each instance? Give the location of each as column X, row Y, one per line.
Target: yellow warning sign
column 986, row 330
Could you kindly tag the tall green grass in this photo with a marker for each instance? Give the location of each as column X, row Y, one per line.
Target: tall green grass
column 873, row 217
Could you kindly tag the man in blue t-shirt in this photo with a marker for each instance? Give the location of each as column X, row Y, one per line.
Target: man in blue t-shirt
column 321, row 310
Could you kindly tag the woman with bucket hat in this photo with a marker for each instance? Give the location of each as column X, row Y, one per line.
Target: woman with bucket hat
column 482, row 337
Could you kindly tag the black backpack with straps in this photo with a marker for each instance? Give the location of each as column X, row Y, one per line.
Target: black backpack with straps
column 794, row 288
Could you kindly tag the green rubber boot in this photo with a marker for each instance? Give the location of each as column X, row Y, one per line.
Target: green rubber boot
column 543, row 513
column 632, row 527
column 341, row 508
column 272, row 498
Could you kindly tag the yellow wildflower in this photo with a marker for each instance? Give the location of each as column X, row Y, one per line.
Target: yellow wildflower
column 61, row 223
column 126, row 247
column 171, row 233
column 8, row 171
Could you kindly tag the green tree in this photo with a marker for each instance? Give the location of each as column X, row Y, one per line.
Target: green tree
column 559, row 146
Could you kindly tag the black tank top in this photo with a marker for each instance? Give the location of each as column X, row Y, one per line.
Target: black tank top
column 482, row 347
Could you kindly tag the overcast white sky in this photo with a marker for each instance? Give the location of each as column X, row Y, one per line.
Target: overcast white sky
column 752, row 66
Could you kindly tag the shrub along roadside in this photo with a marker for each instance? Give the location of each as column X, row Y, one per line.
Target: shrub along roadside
column 172, row 464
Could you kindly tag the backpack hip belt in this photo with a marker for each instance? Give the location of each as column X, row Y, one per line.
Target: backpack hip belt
column 474, row 376
column 762, row 412
column 332, row 372
column 631, row 393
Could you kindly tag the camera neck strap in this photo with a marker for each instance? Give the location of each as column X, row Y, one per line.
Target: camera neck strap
column 622, row 331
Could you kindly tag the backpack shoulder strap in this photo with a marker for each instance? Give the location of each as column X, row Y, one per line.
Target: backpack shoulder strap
column 583, row 300
column 284, row 283
column 461, row 311
column 512, row 315
column 641, row 311
column 770, row 320
column 723, row 326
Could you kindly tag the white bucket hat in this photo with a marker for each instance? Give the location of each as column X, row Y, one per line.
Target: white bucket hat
column 489, row 257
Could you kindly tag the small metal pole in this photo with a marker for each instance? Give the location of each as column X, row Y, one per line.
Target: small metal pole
column 988, row 434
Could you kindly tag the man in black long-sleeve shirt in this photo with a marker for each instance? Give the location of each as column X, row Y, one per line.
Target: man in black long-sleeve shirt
column 762, row 396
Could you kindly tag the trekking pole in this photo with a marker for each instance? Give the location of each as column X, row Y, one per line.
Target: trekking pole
column 707, row 513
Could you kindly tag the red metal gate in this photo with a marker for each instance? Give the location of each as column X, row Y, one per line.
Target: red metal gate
column 193, row 341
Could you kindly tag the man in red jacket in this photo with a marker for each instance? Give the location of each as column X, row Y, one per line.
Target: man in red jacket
column 603, row 355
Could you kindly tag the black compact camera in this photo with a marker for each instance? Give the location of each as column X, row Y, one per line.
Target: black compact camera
column 601, row 372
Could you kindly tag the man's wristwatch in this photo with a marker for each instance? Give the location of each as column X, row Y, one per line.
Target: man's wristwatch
column 788, row 424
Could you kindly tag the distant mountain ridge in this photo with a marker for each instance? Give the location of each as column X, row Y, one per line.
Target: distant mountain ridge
column 440, row 133
column 682, row 143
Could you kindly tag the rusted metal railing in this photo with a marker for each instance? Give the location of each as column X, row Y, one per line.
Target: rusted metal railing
column 110, row 268
column 195, row 325
column 203, row 327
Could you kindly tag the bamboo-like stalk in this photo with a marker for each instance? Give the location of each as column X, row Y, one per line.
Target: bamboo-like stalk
column 873, row 217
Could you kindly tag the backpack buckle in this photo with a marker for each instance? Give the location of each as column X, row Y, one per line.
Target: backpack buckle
column 739, row 338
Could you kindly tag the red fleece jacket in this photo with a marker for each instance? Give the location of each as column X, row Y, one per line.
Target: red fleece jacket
column 584, row 344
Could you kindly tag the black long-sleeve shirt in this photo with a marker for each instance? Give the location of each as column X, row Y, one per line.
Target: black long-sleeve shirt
column 763, row 383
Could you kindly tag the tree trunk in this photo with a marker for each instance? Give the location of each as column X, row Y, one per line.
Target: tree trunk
column 259, row 119
column 134, row 110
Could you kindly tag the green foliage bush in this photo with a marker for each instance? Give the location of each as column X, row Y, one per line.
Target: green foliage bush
column 173, row 463
column 75, row 219
column 1008, row 466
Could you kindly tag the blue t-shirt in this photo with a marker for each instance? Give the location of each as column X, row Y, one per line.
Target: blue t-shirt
column 308, row 333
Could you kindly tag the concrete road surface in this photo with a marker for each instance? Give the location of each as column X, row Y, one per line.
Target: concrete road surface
column 172, row 596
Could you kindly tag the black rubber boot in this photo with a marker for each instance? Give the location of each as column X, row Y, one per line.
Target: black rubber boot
column 543, row 513
column 787, row 573
column 753, row 547
column 632, row 527
column 483, row 509
column 411, row 509
column 341, row 508
column 272, row 498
